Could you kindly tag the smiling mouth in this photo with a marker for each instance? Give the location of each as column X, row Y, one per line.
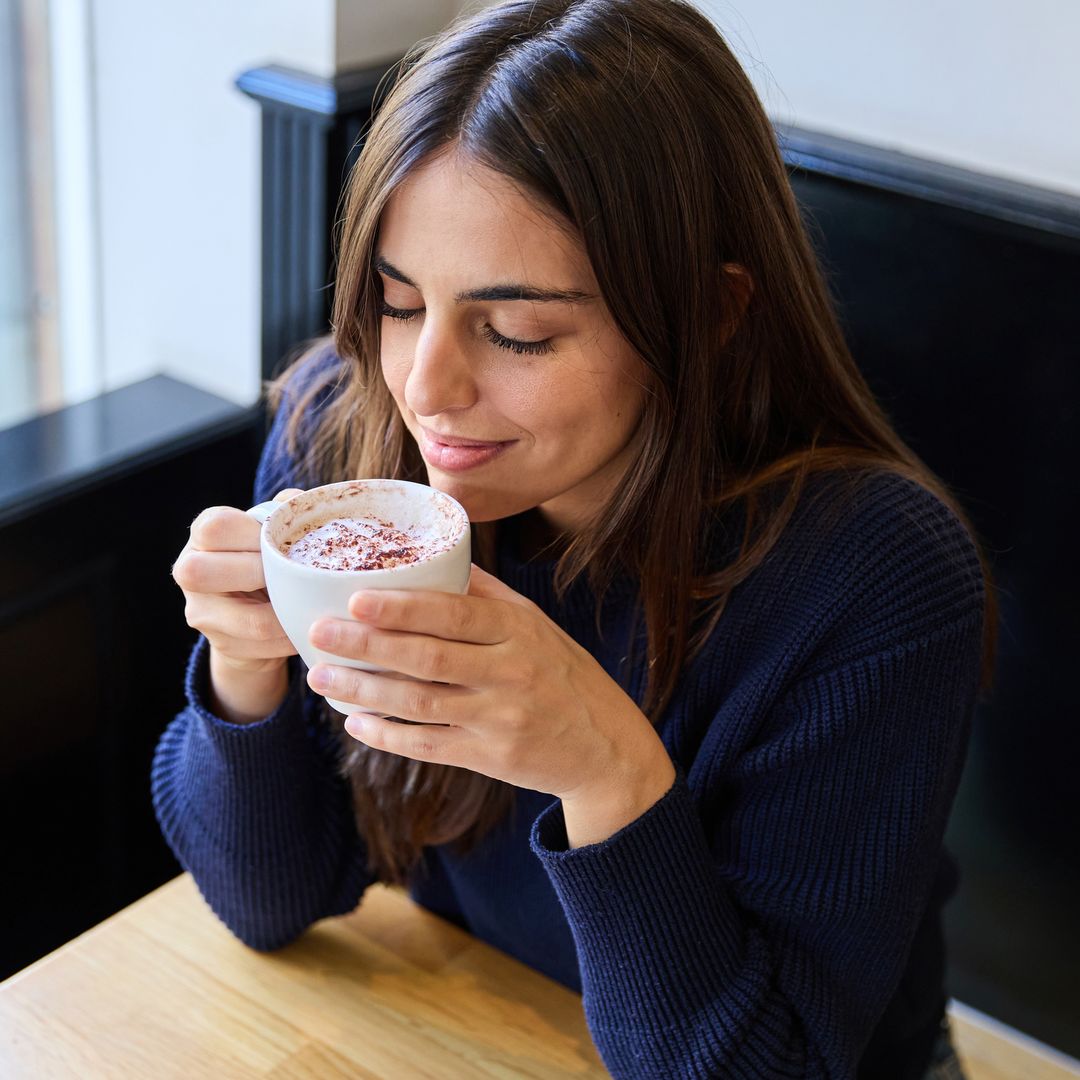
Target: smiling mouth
column 453, row 440
column 456, row 454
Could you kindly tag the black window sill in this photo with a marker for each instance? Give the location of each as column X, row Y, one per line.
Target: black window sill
column 73, row 450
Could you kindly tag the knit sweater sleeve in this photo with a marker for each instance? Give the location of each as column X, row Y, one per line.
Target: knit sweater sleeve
column 257, row 812
column 756, row 920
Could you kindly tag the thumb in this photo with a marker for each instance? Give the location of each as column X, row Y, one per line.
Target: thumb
column 287, row 493
column 481, row 583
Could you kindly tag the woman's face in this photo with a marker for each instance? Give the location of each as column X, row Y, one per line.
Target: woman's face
column 473, row 348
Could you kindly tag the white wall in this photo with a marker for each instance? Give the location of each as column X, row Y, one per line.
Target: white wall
column 369, row 31
column 179, row 168
column 179, row 180
column 990, row 85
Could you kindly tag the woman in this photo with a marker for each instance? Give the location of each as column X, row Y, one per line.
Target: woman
column 703, row 711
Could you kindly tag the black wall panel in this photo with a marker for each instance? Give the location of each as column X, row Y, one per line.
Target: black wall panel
column 92, row 650
column 967, row 327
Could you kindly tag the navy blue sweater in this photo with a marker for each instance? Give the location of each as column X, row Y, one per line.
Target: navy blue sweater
column 776, row 914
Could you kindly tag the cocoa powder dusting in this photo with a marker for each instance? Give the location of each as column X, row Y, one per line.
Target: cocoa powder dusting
column 356, row 544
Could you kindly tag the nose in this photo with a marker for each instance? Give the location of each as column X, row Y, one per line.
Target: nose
column 440, row 378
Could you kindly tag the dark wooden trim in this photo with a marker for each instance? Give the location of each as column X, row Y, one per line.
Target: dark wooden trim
column 75, row 449
column 277, row 86
column 312, row 130
column 933, row 181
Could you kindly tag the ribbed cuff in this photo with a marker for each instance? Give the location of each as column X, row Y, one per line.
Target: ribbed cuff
column 655, row 928
column 222, row 774
column 196, row 689
column 258, row 814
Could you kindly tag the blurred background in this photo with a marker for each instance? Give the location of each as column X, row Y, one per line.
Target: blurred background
column 168, row 182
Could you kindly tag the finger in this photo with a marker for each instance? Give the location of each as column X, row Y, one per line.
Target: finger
column 481, row 583
column 387, row 692
column 439, row 614
column 423, row 657
column 219, row 571
column 233, row 616
column 421, row 742
column 225, row 528
column 248, row 649
column 287, row 493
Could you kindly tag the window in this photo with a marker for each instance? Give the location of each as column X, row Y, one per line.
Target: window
column 49, row 313
column 19, row 390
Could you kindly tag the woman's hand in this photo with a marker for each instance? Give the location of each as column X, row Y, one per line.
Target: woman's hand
column 518, row 699
column 221, row 574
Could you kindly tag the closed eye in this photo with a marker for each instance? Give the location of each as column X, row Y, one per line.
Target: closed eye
column 536, row 348
column 401, row 314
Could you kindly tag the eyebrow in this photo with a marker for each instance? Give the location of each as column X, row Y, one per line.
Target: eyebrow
column 495, row 292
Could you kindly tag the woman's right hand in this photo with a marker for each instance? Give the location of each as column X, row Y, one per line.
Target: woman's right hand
column 221, row 575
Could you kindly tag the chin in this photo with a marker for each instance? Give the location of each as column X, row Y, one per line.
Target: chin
column 478, row 503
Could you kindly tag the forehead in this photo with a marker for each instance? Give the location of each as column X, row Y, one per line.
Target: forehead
column 454, row 218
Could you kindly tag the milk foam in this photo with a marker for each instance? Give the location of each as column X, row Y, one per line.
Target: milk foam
column 347, row 543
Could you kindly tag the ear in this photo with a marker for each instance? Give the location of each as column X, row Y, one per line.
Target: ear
column 738, row 288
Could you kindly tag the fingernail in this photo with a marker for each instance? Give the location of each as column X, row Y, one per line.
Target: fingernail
column 319, row 678
column 325, row 634
column 361, row 603
column 354, row 725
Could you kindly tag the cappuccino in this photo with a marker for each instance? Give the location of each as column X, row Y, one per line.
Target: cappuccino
column 345, row 543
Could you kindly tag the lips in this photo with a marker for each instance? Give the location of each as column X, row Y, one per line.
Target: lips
column 459, row 455
column 457, row 441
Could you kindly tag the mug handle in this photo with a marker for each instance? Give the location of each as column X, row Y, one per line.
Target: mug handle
column 261, row 511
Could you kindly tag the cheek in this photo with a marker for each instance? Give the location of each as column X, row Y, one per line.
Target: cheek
column 394, row 362
column 629, row 404
column 605, row 400
column 577, row 423
column 526, row 398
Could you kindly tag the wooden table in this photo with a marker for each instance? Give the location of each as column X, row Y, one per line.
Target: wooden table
column 163, row 990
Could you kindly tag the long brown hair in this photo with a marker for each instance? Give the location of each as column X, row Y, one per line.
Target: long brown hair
column 631, row 122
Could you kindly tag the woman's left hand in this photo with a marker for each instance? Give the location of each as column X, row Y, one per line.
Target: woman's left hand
column 516, row 697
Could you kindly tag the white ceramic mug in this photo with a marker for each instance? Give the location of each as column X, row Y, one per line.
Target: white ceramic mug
column 302, row 594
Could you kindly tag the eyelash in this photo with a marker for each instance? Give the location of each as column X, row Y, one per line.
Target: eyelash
column 535, row 348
